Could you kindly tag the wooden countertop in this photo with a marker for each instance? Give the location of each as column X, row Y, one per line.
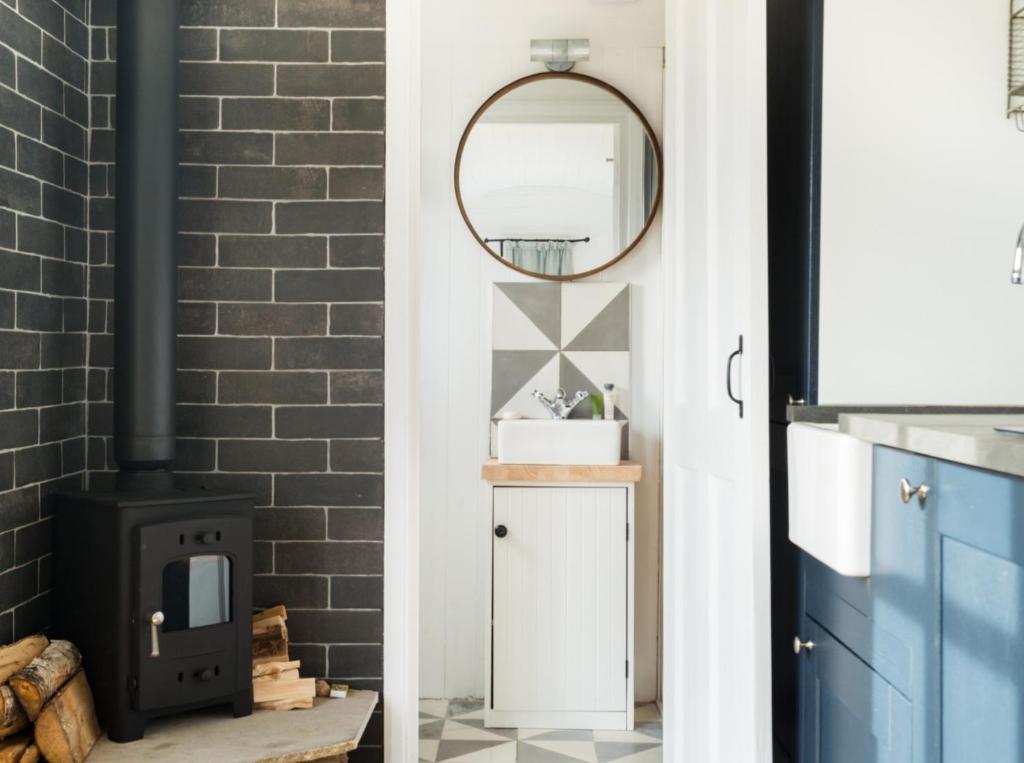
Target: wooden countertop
column 627, row 471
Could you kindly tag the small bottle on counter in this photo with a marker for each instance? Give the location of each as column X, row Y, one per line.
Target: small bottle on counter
column 597, row 407
column 609, row 402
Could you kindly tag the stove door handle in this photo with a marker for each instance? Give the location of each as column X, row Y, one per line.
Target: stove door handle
column 155, row 620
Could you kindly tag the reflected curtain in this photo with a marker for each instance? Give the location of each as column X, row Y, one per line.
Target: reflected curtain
column 553, row 258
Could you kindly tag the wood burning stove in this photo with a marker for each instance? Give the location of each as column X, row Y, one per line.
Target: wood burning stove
column 154, row 584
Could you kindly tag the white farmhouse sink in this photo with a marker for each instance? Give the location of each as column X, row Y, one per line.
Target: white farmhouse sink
column 830, row 496
column 573, row 442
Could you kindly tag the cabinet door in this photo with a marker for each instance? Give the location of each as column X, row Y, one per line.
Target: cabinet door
column 981, row 537
column 559, row 599
column 848, row 712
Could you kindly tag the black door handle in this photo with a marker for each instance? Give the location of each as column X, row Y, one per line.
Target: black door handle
column 737, row 353
column 501, row 531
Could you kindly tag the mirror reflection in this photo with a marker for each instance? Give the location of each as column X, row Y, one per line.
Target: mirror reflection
column 558, row 176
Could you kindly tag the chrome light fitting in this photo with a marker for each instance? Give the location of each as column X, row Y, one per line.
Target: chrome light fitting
column 559, row 55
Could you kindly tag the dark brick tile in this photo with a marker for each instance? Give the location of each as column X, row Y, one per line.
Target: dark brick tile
column 198, row 44
column 18, row 584
column 357, row 456
column 101, row 282
column 227, row 148
column 19, row 192
column 63, row 134
column 197, row 318
column 330, row 217
column 357, row 46
column 98, row 180
column 301, row 114
column 360, row 386
column 331, row 80
column 313, row 657
column 328, row 558
column 18, row 429
column 33, row 616
column 18, row 271
column 21, row 350
column 75, row 7
column 7, row 228
column 72, row 455
column 357, row 320
column 76, row 245
column 64, row 62
column 61, row 422
column 36, row 388
column 101, row 214
column 38, row 313
column 75, row 315
column 329, row 285
column 256, row 485
column 63, row 206
column 76, row 175
column 224, row 283
column 40, row 236
column 103, row 78
column 19, row 507
column 357, row 183
column 33, row 541
column 330, row 148
column 295, row 591
column 329, row 353
column 334, row 626
column 358, row 114
column 7, row 309
column 65, row 278
column 73, row 385
column 36, row 464
column 273, row 183
column 101, row 418
column 216, row 216
column 272, row 319
column 277, row 387
column 20, row 35
column 273, row 251
column 39, row 85
column 195, row 455
column 98, row 49
column 211, row 353
column 104, row 12
column 356, row 660
column 197, row 249
column 198, row 113
column 197, row 181
column 227, row 79
column 330, row 422
column 287, row 45
column 263, row 561
column 357, row 592
column 271, row 456
column 97, row 454
column 7, row 66
column 7, row 152
column 76, row 36
column 197, row 386
column 330, row 13
column 227, row 12
column 17, row 112
column 101, row 350
column 224, row 421
column 355, row 524
column 101, row 148
column 328, row 490
column 44, row 13
column 6, row 390
column 296, row 523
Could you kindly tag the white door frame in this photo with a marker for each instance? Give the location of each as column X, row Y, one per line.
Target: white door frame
column 401, row 388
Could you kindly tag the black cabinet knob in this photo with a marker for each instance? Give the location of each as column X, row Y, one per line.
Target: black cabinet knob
column 204, row 675
column 501, row 531
column 207, row 537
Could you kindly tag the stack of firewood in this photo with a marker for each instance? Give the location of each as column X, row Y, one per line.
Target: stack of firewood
column 275, row 679
column 46, row 707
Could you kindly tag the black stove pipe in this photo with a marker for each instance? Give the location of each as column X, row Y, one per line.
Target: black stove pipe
column 145, row 272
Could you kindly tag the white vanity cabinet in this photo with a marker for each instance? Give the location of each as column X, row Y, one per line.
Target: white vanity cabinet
column 559, row 646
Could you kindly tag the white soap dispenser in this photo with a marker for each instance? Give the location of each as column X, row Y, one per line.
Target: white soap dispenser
column 609, row 402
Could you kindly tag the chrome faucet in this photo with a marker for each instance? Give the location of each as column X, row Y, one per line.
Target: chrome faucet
column 560, row 407
column 1017, row 276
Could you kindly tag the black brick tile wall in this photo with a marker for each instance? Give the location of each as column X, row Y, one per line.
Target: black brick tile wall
column 280, row 381
column 43, row 291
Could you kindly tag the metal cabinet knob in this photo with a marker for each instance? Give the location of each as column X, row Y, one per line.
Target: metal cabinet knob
column 204, row 675
column 908, row 491
column 501, row 531
column 155, row 620
column 800, row 646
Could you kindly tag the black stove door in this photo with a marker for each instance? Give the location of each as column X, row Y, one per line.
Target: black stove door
column 188, row 611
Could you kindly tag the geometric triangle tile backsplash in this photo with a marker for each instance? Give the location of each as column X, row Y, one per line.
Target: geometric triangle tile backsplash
column 545, row 336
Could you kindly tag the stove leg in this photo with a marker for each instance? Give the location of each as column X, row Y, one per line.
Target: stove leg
column 126, row 727
column 241, row 704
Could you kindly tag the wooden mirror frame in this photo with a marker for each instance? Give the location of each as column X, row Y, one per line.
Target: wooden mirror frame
column 655, row 206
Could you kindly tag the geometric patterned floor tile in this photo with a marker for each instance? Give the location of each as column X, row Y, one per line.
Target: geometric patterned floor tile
column 433, row 708
column 459, row 707
column 564, row 750
column 561, row 735
column 459, row 751
column 461, row 731
column 616, row 751
column 432, row 729
column 428, row 749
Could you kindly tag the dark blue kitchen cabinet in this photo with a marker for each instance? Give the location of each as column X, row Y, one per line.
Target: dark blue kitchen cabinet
column 923, row 661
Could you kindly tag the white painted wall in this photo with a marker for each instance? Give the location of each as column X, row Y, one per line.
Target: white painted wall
column 469, row 50
column 921, row 203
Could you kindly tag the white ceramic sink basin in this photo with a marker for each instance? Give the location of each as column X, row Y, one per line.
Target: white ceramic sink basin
column 830, row 496
column 574, row 442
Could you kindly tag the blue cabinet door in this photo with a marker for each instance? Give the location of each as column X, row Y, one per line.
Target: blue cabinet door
column 981, row 596
column 848, row 712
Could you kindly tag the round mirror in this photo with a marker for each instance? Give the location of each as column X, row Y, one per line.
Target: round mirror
column 558, row 175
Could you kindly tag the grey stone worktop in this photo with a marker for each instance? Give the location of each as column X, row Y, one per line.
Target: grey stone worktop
column 829, row 414
column 969, row 439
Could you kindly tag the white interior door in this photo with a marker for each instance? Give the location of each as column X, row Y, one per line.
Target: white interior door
column 559, row 601
column 717, row 674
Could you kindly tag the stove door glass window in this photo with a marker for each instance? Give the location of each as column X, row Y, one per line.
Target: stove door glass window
column 196, row 592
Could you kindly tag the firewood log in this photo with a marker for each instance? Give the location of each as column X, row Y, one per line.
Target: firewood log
column 12, row 715
column 40, row 679
column 289, row 690
column 273, row 668
column 270, row 645
column 12, row 750
column 31, row 755
column 67, row 729
column 278, row 611
column 13, row 657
